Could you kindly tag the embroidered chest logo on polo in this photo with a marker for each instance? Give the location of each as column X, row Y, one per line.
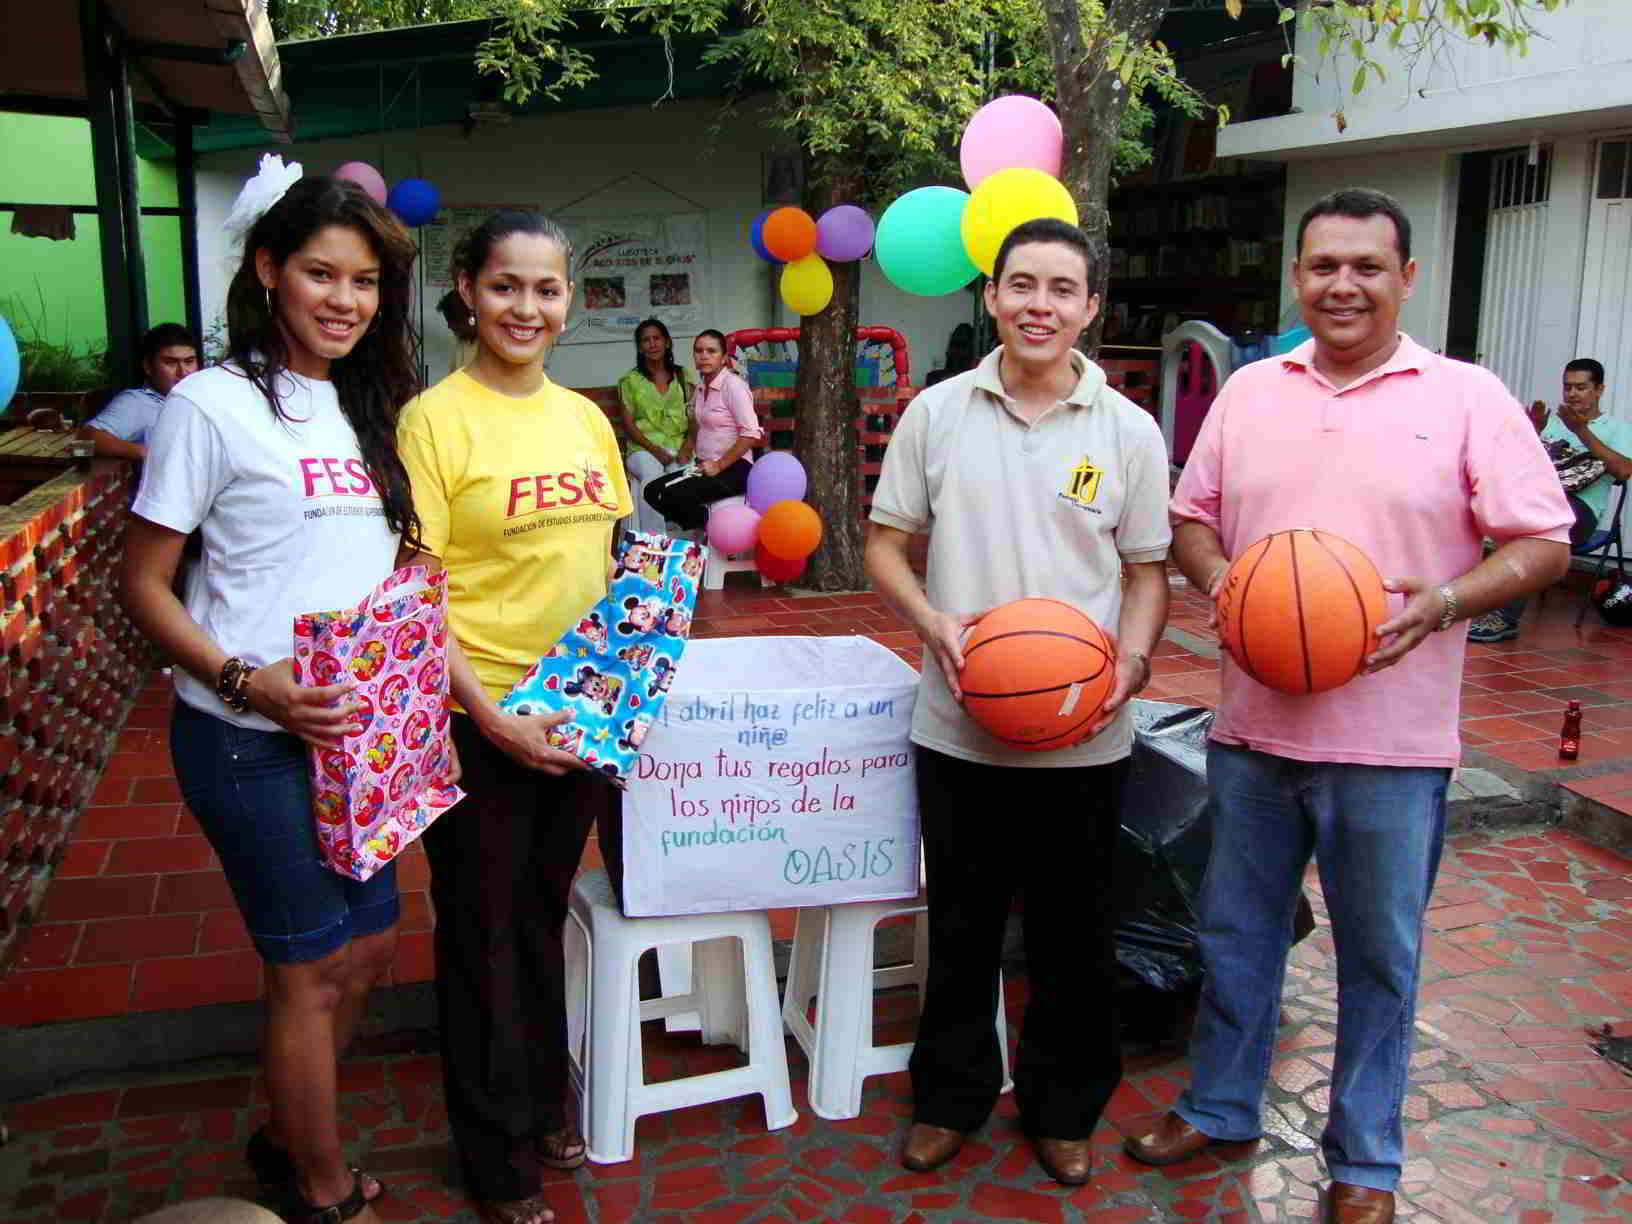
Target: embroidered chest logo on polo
column 1082, row 484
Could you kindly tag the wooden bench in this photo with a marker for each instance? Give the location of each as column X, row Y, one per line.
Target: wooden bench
column 878, row 409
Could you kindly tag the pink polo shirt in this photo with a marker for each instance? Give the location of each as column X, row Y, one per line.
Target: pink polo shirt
column 724, row 411
column 1415, row 463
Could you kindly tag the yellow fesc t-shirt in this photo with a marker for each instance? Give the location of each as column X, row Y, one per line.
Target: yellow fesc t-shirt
column 518, row 497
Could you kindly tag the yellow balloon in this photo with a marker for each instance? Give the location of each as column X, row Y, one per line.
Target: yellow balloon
column 807, row 285
column 1007, row 199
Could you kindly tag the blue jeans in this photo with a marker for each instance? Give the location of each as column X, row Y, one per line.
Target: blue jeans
column 251, row 793
column 1376, row 832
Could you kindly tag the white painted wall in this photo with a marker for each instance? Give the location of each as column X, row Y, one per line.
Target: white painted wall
column 554, row 162
column 1576, row 77
column 1424, row 184
column 1583, row 33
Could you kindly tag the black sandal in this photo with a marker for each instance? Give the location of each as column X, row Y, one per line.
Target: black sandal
column 299, row 1211
column 531, row 1210
column 563, row 1149
column 274, row 1168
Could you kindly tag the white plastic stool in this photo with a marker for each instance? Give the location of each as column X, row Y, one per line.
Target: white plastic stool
column 735, row 996
column 718, row 565
column 833, row 963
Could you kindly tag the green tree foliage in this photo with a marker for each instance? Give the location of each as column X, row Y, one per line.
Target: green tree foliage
column 875, row 92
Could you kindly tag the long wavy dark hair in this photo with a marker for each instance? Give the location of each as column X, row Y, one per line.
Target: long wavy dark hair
column 381, row 373
column 676, row 371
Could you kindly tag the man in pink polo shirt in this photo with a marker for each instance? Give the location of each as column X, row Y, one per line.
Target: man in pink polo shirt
column 1415, row 458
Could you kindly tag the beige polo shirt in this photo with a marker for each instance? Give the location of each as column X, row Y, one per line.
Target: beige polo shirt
column 1050, row 509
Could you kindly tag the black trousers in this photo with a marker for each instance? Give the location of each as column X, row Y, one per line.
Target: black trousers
column 502, row 865
column 685, row 499
column 994, row 834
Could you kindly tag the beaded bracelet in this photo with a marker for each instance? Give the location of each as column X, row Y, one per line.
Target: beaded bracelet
column 232, row 686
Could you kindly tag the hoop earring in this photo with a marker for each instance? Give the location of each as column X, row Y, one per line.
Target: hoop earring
column 268, row 293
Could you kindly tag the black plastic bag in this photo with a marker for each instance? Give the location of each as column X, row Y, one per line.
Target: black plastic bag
column 1162, row 852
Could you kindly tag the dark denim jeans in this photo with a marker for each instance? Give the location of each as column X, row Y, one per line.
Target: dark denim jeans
column 1376, row 832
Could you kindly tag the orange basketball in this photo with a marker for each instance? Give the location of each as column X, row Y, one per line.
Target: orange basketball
column 1036, row 674
column 1299, row 610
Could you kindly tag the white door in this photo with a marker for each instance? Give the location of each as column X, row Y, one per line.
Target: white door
column 1515, row 244
column 1606, row 284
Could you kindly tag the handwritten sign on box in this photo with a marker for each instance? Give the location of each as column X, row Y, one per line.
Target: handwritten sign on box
column 780, row 774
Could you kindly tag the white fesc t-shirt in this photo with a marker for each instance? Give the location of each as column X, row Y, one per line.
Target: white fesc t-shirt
column 291, row 520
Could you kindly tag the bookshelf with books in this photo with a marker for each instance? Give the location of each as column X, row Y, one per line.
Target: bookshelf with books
column 1206, row 247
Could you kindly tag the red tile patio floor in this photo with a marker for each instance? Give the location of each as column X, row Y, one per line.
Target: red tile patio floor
column 1513, row 1117
column 139, row 917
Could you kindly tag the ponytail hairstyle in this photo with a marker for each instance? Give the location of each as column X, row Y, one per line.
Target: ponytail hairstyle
column 381, row 373
column 669, row 363
column 473, row 250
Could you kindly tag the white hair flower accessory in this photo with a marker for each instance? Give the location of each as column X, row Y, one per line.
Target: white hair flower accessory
column 271, row 181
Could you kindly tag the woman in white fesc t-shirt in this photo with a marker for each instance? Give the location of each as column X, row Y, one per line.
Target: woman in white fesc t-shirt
column 285, row 459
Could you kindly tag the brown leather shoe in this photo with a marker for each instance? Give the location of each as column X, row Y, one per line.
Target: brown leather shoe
column 1067, row 1161
column 1341, row 1203
column 1172, row 1140
column 929, row 1147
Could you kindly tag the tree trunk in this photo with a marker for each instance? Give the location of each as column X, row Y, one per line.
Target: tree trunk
column 1091, row 101
column 825, row 436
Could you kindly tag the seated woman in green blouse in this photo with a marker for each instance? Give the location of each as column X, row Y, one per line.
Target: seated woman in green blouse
column 656, row 400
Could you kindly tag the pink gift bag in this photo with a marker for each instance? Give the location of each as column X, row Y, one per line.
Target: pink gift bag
column 379, row 791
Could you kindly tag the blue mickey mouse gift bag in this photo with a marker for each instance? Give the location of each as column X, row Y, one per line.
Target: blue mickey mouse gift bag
column 614, row 667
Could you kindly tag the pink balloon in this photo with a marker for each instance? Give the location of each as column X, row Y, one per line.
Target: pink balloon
column 366, row 177
column 733, row 527
column 1010, row 131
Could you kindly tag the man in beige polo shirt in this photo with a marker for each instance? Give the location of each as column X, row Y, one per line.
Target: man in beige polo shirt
column 994, row 460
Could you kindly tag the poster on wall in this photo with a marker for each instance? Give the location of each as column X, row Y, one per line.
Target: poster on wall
column 634, row 267
column 438, row 239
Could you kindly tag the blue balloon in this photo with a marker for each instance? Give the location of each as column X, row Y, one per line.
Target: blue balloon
column 756, row 237
column 10, row 365
column 415, row 201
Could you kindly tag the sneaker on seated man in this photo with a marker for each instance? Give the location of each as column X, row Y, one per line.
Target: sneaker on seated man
column 1589, row 452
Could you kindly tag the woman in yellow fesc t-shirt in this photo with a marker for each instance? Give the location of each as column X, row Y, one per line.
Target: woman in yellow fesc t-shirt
column 517, row 483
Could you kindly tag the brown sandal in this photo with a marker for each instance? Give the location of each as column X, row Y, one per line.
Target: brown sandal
column 562, row 1149
column 514, row 1211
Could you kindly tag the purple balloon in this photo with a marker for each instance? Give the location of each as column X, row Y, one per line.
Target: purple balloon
column 775, row 477
column 733, row 527
column 844, row 233
column 756, row 238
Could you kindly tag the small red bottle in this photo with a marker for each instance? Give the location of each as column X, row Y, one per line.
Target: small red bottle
column 1569, row 739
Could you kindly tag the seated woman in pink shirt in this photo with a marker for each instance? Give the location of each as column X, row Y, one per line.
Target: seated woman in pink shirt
column 719, row 444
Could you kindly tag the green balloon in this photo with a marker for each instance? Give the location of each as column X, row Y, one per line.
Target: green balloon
column 920, row 243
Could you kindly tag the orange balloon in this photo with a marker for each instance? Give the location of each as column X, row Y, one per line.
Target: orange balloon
column 790, row 530
column 789, row 234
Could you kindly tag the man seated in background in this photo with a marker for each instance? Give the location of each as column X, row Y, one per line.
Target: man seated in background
column 169, row 354
column 1589, row 452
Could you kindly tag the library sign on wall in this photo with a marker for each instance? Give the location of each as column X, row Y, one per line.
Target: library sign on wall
column 638, row 266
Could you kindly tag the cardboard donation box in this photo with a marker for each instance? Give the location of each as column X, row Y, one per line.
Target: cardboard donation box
column 778, row 774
